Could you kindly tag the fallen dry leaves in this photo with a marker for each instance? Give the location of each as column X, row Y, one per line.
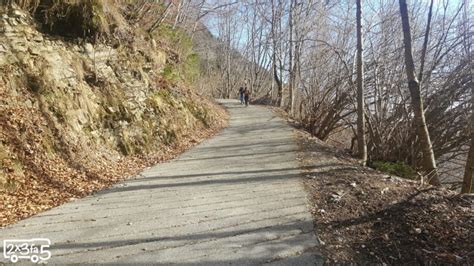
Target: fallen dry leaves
column 34, row 180
column 364, row 216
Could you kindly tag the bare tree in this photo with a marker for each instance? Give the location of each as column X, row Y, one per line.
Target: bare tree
column 291, row 75
column 160, row 19
column 425, row 42
column 429, row 162
column 362, row 147
column 277, row 62
column 307, row 50
column 468, row 180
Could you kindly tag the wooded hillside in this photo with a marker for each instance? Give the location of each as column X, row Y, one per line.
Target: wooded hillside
column 315, row 63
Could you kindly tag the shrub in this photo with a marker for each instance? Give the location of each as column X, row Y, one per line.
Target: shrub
column 191, row 68
column 398, row 168
column 170, row 73
column 176, row 38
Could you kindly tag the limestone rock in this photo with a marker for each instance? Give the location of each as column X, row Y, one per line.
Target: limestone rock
column 18, row 14
column 37, row 38
column 34, row 50
column 13, row 22
column 88, row 48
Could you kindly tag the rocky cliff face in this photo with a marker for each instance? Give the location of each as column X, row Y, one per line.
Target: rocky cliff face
column 77, row 116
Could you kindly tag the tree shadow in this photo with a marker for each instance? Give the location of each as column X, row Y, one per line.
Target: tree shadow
column 393, row 238
column 235, row 155
column 304, row 226
column 285, row 238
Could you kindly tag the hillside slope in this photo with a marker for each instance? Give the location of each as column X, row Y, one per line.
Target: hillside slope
column 79, row 113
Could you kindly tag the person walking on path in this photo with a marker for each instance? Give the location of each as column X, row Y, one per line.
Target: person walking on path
column 241, row 95
column 247, row 96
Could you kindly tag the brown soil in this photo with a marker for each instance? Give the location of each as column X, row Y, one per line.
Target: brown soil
column 362, row 215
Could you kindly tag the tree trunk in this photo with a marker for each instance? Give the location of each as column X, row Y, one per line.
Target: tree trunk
column 280, row 51
column 290, row 59
column 425, row 43
column 361, row 141
column 278, row 83
column 160, row 20
column 468, row 181
column 274, row 57
column 178, row 13
column 296, row 72
column 467, row 185
column 429, row 163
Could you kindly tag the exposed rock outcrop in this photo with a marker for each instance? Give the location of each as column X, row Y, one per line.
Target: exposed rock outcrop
column 76, row 116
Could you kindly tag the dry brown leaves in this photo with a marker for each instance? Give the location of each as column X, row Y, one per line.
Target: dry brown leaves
column 46, row 180
column 362, row 215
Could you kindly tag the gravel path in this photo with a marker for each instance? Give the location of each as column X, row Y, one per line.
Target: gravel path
column 234, row 199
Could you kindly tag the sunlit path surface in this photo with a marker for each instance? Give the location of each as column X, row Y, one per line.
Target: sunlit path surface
column 235, row 198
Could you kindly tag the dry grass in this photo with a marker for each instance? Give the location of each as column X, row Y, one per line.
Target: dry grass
column 76, row 18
